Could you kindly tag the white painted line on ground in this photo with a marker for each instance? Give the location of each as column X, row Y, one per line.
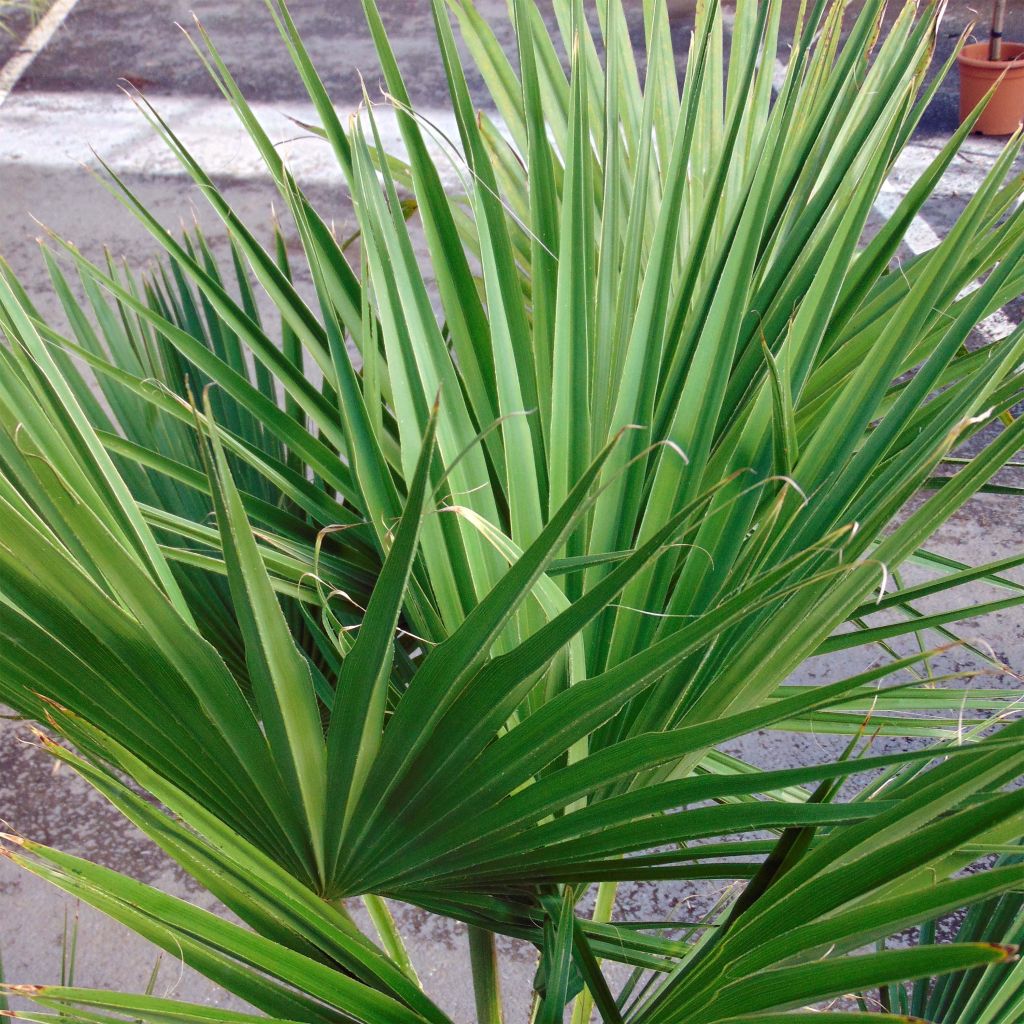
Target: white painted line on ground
column 34, row 44
column 920, row 237
column 59, row 130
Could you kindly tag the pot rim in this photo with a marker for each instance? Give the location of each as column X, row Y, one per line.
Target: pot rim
column 966, row 58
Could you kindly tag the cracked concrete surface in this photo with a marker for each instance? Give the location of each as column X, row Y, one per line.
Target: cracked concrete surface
column 67, row 101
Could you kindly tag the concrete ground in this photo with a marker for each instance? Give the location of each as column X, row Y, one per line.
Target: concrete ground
column 66, row 100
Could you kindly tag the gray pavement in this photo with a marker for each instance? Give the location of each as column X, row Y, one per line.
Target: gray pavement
column 105, row 40
column 15, row 24
column 67, row 101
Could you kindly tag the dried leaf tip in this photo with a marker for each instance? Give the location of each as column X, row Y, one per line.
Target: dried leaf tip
column 42, row 737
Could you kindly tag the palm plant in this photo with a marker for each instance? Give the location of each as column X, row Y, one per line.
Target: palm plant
column 450, row 585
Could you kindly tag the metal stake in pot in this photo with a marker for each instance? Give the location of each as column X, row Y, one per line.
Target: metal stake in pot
column 995, row 36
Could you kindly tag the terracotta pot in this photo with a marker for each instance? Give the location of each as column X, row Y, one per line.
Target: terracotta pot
column 978, row 74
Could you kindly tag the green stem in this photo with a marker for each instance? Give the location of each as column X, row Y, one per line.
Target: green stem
column 483, row 959
column 534, row 1007
column 389, row 936
column 4, row 1005
column 603, row 907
